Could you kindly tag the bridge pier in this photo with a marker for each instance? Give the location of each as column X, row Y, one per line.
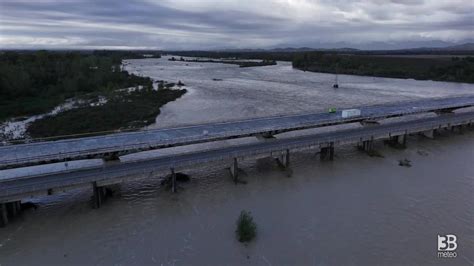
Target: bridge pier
column 400, row 140
column 234, row 170
column 459, row 127
column 13, row 209
column 367, row 145
column 173, row 181
column 429, row 133
column 3, row 215
column 9, row 210
column 284, row 159
column 99, row 195
column 327, row 153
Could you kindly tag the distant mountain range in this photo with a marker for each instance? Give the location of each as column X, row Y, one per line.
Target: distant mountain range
column 460, row 47
column 453, row 48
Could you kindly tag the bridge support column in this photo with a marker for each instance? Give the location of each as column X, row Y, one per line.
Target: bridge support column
column 400, row 140
column 429, row 133
column 13, row 209
column 284, row 159
column 367, row 145
column 234, row 170
column 173, row 181
column 3, row 215
column 98, row 195
column 327, row 153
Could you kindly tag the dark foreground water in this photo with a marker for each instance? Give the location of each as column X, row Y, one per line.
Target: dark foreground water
column 356, row 210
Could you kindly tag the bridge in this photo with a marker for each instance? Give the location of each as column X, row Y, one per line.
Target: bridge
column 114, row 145
column 14, row 190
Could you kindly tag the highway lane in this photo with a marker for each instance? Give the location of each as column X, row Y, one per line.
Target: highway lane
column 36, row 183
column 151, row 139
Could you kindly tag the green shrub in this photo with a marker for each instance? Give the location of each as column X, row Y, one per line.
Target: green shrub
column 246, row 227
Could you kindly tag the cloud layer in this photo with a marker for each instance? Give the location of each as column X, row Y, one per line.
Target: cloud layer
column 213, row 24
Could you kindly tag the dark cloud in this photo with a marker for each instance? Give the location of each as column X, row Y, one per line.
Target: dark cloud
column 167, row 24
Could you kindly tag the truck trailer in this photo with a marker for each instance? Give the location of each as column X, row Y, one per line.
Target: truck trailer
column 350, row 113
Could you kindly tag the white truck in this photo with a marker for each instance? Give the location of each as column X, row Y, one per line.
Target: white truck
column 350, row 113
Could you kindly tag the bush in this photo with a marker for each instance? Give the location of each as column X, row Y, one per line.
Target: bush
column 246, row 227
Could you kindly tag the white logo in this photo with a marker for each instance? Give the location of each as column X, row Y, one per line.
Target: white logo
column 446, row 246
column 447, row 243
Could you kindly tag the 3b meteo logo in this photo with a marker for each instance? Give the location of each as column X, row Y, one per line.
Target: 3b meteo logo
column 447, row 246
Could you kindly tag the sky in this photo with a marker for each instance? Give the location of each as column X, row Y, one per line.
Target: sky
column 231, row 24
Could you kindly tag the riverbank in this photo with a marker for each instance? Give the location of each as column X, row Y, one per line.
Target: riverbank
column 123, row 110
column 48, row 94
column 34, row 82
column 436, row 68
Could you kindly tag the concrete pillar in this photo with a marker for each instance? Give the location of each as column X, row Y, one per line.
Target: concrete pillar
column 367, row 145
column 429, row 133
column 3, row 215
column 12, row 209
column 402, row 139
column 399, row 140
column 284, row 159
column 234, row 170
column 98, row 195
column 327, row 153
column 173, row 181
column 18, row 205
column 331, row 151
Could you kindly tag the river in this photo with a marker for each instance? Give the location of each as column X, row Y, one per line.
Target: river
column 356, row 210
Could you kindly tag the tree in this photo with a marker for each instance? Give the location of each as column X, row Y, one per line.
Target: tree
column 246, row 227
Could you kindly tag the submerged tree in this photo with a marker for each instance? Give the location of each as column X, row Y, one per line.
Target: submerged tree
column 246, row 227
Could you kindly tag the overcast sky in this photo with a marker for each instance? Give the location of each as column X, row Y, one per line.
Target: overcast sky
column 214, row 24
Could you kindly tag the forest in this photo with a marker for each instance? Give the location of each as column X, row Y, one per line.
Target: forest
column 438, row 68
column 123, row 111
column 34, row 82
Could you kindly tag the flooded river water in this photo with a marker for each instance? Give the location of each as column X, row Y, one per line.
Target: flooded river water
column 356, row 210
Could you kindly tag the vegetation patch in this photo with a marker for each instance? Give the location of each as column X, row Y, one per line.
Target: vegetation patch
column 456, row 69
column 240, row 63
column 33, row 83
column 405, row 163
column 246, row 227
column 123, row 110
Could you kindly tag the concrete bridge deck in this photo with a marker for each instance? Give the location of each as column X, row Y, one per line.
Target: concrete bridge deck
column 16, row 189
column 123, row 143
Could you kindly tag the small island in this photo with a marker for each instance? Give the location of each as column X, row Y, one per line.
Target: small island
column 240, row 63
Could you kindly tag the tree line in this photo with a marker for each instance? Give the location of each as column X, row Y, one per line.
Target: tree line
column 439, row 68
column 34, row 82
